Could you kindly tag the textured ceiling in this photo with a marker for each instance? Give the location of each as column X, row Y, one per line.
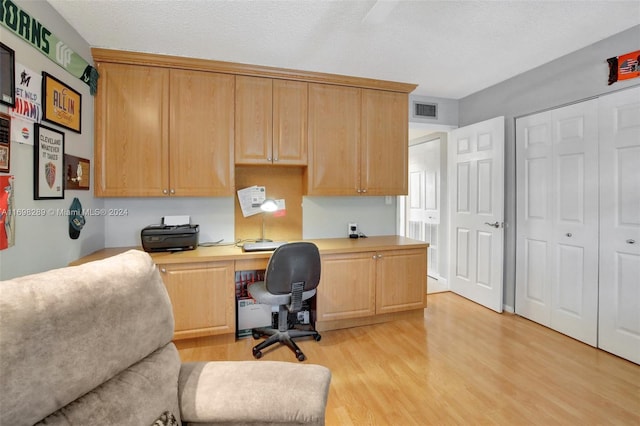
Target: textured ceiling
column 449, row 48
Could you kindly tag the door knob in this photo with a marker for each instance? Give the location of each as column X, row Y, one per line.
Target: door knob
column 495, row 225
column 631, row 241
column 569, row 234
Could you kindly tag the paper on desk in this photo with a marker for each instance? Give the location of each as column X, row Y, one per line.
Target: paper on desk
column 250, row 199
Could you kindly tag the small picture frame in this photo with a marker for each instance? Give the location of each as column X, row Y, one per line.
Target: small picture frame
column 62, row 105
column 5, row 157
column 5, row 143
column 77, row 173
column 7, row 75
column 48, row 163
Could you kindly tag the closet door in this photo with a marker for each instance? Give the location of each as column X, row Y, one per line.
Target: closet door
column 557, row 205
column 619, row 320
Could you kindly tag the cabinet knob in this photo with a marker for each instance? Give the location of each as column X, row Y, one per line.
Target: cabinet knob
column 359, row 191
column 165, row 192
column 275, row 159
column 379, row 256
column 364, row 190
column 163, row 270
column 268, row 158
column 173, row 191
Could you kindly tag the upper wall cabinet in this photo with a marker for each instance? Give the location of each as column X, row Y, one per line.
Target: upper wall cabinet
column 358, row 141
column 385, row 143
column 271, row 121
column 169, row 125
column 163, row 132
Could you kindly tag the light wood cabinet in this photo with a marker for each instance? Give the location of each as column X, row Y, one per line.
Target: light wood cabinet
column 358, row 141
column 347, row 286
column 201, row 134
column 385, row 143
column 271, row 121
column 202, row 296
column 131, row 141
column 163, row 132
column 334, row 140
column 401, row 280
column 364, row 284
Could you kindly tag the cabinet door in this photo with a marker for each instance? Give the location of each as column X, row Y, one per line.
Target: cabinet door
column 334, row 140
column 290, row 101
column 347, row 286
column 401, row 280
column 253, row 140
column 202, row 296
column 385, row 143
column 131, row 131
column 201, row 134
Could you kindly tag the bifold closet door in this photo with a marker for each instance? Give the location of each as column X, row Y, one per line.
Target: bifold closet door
column 619, row 295
column 557, row 219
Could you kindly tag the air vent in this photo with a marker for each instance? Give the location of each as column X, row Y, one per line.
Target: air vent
column 425, row 110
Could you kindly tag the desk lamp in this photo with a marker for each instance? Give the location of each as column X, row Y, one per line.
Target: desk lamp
column 267, row 205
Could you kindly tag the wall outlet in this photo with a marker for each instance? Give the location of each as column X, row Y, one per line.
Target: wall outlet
column 353, row 230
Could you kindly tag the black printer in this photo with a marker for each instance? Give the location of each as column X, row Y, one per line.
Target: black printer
column 169, row 237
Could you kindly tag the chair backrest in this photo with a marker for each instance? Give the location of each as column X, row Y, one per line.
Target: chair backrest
column 293, row 263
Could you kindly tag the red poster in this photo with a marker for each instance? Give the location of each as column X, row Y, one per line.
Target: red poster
column 7, row 219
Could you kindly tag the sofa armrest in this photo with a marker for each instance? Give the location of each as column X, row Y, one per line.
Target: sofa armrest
column 258, row 392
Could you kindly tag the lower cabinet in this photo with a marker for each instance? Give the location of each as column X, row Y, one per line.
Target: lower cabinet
column 365, row 284
column 203, row 297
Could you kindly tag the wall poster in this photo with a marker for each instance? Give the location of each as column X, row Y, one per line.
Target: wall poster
column 62, row 104
column 48, row 163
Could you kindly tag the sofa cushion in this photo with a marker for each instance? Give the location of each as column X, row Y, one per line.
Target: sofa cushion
column 134, row 397
column 253, row 392
column 66, row 331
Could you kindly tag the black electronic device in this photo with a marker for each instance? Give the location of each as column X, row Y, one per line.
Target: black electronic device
column 169, row 237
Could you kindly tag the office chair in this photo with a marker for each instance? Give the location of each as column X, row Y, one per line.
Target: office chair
column 291, row 277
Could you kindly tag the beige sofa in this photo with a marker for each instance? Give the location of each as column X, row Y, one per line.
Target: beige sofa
column 91, row 345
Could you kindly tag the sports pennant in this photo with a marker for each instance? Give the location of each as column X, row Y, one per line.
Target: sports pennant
column 33, row 32
column 624, row 67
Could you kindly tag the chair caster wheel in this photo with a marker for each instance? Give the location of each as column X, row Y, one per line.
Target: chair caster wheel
column 317, row 337
column 301, row 357
column 256, row 336
column 257, row 354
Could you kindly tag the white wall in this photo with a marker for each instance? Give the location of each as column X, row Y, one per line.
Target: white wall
column 574, row 77
column 328, row 217
column 43, row 242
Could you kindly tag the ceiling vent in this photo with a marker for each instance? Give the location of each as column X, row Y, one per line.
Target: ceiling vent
column 425, row 110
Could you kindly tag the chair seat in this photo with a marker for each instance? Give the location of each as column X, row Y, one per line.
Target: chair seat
column 259, row 292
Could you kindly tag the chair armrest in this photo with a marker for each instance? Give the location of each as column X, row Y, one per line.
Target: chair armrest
column 247, row 392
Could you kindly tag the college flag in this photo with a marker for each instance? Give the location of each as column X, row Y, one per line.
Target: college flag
column 624, row 67
column 33, row 32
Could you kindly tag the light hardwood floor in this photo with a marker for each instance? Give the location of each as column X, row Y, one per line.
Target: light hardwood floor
column 461, row 364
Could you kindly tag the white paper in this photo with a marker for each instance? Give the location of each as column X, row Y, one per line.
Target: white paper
column 250, row 199
column 176, row 220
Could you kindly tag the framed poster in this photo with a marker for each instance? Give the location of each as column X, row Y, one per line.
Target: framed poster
column 5, row 142
column 48, row 163
column 4, row 158
column 62, row 105
column 7, row 75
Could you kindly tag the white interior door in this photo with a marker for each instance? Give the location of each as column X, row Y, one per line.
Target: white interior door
column 423, row 202
column 476, row 199
column 557, row 219
column 619, row 295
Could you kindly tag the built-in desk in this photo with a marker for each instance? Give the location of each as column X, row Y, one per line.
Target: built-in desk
column 363, row 281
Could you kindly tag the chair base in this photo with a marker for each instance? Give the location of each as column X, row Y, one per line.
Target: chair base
column 285, row 337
